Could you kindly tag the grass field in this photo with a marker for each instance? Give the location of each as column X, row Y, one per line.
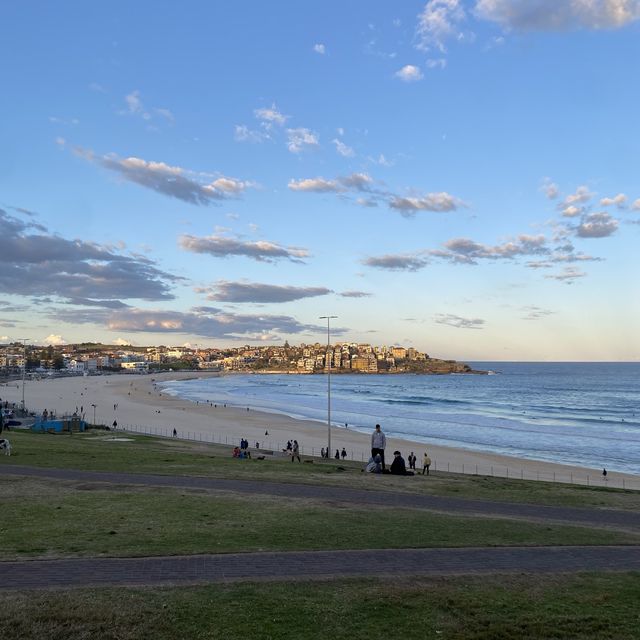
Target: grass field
column 47, row 519
column 580, row 607
column 69, row 518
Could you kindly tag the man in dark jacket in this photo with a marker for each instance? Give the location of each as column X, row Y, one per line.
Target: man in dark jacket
column 398, row 466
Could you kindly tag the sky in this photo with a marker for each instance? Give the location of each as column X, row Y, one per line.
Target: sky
column 460, row 176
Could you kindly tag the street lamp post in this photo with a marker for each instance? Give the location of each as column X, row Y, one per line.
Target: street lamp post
column 24, row 368
column 94, row 414
column 328, row 319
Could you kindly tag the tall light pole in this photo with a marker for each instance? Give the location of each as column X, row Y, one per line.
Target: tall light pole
column 328, row 319
column 94, row 414
column 24, row 367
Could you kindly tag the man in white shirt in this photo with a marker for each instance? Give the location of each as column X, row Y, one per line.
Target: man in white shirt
column 378, row 444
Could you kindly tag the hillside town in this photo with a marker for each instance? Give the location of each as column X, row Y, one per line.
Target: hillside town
column 342, row 357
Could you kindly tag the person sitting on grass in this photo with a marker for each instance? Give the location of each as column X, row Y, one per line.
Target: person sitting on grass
column 398, row 466
column 374, row 465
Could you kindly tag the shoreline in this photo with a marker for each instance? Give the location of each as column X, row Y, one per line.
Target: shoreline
column 135, row 403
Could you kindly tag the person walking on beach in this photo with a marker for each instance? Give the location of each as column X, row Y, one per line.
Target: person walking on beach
column 412, row 461
column 295, row 451
column 378, row 444
column 343, row 453
column 175, row 433
column 426, row 463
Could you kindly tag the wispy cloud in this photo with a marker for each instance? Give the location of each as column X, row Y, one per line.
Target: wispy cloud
column 457, row 322
column 168, row 180
column 559, row 15
column 355, row 294
column 596, row 225
column 270, row 114
column 535, row 313
column 550, row 189
column 437, row 23
column 397, row 262
column 320, row 48
column 343, row 149
column 568, row 275
column 467, row 251
column 618, row 200
column 301, row 139
column 442, row 201
column 229, row 291
column 220, row 246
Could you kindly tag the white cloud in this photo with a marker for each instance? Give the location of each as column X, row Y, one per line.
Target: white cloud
column 397, row 262
column 559, row 15
column 319, row 48
column 581, row 196
column 442, row 201
column 317, row 185
column 54, row 339
column 437, row 23
column 121, row 342
column 343, row 149
column 636, row 205
column 409, row 73
column 301, row 139
column 271, row 115
column 571, row 211
column 618, row 200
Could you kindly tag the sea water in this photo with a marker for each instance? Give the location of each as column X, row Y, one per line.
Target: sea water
column 574, row 413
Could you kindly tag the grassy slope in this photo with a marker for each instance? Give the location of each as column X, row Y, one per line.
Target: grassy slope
column 96, row 451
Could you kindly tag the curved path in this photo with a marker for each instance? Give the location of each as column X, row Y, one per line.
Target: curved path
column 608, row 518
column 310, row 565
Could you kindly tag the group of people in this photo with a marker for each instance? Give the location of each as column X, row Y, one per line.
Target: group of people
column 293, row 449
column 398, row 467
column 324, row 453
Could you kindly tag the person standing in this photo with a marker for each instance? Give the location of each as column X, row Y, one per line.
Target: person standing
column 343, row 453
column 378, row 444
column 295, row 451
column 412, row 461
column 426, row 463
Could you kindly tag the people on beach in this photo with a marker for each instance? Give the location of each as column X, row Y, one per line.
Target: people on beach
column 115, row 424
column 322, row 452
column 378, row 444
column 175, row 433
column 412, row 461
column 295, row 451
column 426, row 463
column 343, row 453
column 604, row 474
column 398, row 466
column 337, row 456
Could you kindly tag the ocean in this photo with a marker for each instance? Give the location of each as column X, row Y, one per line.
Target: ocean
column 585, row 414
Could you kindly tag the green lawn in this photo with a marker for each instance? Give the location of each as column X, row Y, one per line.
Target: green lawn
column 96, row 451
column 68, row 518
column 524, row 607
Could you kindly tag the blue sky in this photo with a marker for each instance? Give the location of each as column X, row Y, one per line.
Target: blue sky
column 456, row 175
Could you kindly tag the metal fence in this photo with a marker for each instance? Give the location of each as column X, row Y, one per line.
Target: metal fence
column 611, row 480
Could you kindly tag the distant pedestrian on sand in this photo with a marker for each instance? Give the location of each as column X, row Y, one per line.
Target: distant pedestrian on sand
column 115, row 424
column 175, row 433
column 412, row 461
column 322, row 452
column 343, row 453
column 295, row 451
column 604, row 474
column 378, row 444
column 337, row 456
column 426, row 463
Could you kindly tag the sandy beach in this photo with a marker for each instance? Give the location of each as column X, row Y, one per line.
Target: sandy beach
column 136, row 404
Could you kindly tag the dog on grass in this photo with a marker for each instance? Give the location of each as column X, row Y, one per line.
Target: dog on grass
column 6, row 445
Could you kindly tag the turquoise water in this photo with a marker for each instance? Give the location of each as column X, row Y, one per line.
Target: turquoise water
column 574, row 413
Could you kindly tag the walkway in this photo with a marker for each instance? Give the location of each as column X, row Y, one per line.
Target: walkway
column 310, row 565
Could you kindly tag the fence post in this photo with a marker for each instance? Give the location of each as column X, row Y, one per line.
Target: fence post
column 554, row 476
column 447, row 467
column 507, row 472
column 463, row 467
column 491, row 470
column 587, row 481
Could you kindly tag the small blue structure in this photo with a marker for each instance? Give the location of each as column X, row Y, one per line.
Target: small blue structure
column 63, row 425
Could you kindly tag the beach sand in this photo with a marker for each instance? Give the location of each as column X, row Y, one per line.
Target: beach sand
column 140, row 406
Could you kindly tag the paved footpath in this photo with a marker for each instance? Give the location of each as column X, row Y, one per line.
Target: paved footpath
column 310, row 565
column 609, row 518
